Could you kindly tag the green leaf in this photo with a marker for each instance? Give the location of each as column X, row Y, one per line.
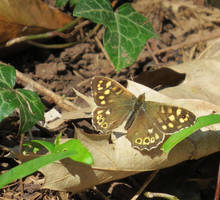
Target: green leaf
column 73, row 2
column 181, row 135
column 126, row 30
column 48, row 145
column 57, row 142
column 99, row 11
column 61, row 3
column 82, row 154
column 31, row 166
column 7, row 77
column 31, row 109
column 8, row 102
column 72, row 149
column 29, row 104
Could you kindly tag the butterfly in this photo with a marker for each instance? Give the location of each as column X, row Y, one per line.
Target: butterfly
column 147, row 122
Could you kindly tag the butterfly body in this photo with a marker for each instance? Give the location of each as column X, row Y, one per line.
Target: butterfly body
column 147, row 122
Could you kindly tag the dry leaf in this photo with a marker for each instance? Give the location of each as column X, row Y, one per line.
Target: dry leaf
column 23, row 17
column 118, row 159
column 201, row 82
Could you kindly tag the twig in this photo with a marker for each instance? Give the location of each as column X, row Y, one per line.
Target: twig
column 161, row 195
column 20, row 151
column 67, row 105
column 189, row 42
column 103, row 50
column 52, row 46
column 152, row 54
column 100, row 193
column 147, row 182
column 43, row 35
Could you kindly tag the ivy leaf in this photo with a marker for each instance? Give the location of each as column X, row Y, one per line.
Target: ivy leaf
column 126, row 30
column 61, row 3
column 28, row 103
column 31, row 109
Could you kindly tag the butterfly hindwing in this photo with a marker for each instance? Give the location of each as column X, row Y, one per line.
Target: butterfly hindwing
column 143, row 134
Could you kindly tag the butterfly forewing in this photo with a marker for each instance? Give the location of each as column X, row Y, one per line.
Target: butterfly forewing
column 114, row 103
column 169, row 119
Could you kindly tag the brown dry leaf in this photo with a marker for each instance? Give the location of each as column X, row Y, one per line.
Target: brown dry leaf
column 23, row 17
column 118, row 159
column 201, row 82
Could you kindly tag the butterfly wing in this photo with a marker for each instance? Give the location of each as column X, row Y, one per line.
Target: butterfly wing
column 114, row 103
column 155, row 120
column 143, row 134
column 169, row 119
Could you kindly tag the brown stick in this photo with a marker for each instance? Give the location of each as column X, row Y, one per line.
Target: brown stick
column 63, row 103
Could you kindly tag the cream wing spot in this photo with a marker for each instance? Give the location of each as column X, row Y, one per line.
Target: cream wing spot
column 150, row 130
column 181, row 120
column 152, row 140
column 162, row 110
column 101, row 97
column 178, row 112
column 100, row 88
column 107, row 112
column 106, row 92
column 99, row 112
column 164, row 127
column 186, row 119
column 156, row 136
column 103, row 102
column 108, row 84
column 98, row 117
column 170, row 125
column 171, row 118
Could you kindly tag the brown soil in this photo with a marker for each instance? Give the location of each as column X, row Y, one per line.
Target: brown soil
column 73, row 67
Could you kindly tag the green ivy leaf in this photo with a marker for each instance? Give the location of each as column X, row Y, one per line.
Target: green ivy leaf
column 7, row 77
column 61, row 3
column 99, row 11
column 126, row 30
column 30, row 107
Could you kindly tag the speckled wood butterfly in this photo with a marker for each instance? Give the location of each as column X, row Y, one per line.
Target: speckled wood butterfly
column 147, row 122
